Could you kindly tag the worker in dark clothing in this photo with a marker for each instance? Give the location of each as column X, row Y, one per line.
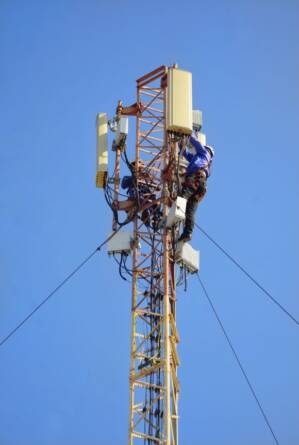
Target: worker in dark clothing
column 195, row 183
column 146, row 195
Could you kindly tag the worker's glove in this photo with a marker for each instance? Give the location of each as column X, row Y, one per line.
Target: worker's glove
column 119, row 108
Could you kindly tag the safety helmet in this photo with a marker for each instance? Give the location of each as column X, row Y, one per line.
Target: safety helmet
column 211, row 149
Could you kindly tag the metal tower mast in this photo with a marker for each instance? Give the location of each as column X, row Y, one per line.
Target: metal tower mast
column 154, row 386
column 164, row 123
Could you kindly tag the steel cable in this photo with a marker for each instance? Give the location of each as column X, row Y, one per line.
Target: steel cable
column 68, row 277
column 236, row 263
column 238, row 360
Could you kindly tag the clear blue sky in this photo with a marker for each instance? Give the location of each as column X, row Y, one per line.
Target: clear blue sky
column 64, row 376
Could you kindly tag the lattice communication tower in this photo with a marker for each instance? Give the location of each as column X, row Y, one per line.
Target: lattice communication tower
column 164, row 120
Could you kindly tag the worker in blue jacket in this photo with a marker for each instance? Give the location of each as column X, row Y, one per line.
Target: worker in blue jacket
column 195, row 183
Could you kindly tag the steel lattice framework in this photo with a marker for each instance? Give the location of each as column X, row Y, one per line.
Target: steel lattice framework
column 154, row 386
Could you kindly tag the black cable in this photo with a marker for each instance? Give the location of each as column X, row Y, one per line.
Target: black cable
column 4, row 340
column 109, row 201
column 120, row 265
column 111, row 189
column 248, row 275
column 128, row 271
column 238, row 360
column 185, row 279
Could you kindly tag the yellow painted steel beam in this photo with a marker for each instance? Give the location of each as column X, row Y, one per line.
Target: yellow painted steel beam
column 174, row 328
column 145, row 372
column 147, row 436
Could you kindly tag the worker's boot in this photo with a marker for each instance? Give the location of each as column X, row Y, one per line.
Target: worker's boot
column 185, row 236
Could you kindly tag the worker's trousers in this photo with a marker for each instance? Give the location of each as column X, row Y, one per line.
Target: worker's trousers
column 194, row 189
